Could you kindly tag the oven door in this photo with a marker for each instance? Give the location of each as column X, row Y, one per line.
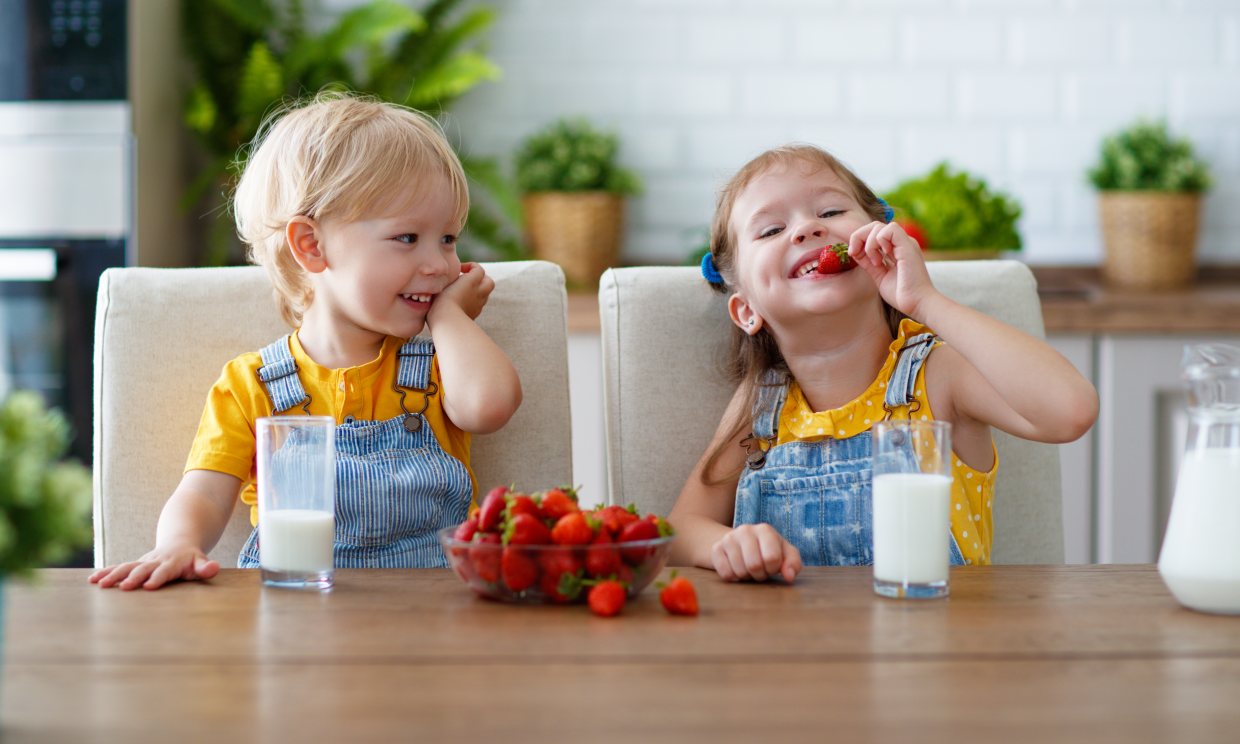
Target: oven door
column 47, row 323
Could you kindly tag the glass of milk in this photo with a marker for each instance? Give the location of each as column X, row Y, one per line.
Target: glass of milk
column 912, row 490
column 296, row 500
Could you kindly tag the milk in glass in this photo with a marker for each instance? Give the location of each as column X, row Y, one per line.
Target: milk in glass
column 296, row 540
column 911, row 528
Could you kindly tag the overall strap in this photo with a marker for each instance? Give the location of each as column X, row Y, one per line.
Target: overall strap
column 772, row 392
column 413, row 371
column 279, row 375
column 902, row 386
column 414, row 360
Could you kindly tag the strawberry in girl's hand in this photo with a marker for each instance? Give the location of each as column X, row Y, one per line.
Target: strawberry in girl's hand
column 606, row 598
column 834, row 259
column 678, row 596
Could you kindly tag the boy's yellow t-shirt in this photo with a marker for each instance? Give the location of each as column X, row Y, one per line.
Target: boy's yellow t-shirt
column 972, row 512
column 226, row 438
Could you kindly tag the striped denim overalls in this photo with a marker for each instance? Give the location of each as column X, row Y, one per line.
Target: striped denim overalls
column 395, row 485
column 817, row 495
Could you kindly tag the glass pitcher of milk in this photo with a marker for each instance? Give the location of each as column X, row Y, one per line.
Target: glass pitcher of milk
column 1200, row 560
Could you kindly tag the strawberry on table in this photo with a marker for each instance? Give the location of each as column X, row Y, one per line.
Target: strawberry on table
column 834, row 259
column 606, row 598
column 678, row 596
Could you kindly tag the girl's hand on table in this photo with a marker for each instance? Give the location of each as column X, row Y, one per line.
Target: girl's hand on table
column 157, row 568
column 757, row 552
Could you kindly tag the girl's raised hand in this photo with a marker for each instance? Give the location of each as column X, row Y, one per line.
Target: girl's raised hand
column 895, row 263
column 757, row 552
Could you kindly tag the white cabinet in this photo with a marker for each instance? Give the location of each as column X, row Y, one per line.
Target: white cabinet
column 1118, row 481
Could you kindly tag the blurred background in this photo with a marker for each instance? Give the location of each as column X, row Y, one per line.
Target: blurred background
column 121, row 121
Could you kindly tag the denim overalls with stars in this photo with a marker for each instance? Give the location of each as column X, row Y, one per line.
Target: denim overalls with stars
column 818, row 495
column 395, row 485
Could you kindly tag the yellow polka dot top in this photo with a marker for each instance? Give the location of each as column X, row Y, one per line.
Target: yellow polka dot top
column 972, row 490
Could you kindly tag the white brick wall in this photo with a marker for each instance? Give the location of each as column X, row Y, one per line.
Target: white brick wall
column 1020, row 91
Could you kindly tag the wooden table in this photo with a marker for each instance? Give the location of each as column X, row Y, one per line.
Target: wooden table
column 1064, row 653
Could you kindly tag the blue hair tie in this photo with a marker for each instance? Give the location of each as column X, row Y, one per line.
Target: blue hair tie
column 708, row 269
column 888, row 212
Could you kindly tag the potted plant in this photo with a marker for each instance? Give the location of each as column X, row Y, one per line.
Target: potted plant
column 249, row 56
column 44, row 500
column 573, row 198
column 955, row 214
column 1150, row 188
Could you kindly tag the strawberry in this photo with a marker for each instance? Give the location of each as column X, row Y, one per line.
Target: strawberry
column 606, row 598
column 519, row 503
column 614, row 518
column 464, row 532
column 561, row 574
column 557, row 502
column 572, row 529
column 633, row 532
column 518, row 568
column 526, row 529
column 602, row 558
column 484, row 555
column 491, row 512
column 834, row 259
column 916, row 232
column 678, row 596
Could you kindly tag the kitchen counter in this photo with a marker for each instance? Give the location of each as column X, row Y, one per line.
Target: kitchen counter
column 1076, row 300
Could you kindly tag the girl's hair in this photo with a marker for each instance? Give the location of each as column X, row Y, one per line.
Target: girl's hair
column 336, row 155
column 753, row 355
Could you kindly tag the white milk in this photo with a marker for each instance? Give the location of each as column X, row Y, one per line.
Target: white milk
column 296, row 540
column 1200, row 560
column 911, row 527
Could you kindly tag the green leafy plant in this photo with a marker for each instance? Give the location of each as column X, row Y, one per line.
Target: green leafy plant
column 44, row 500
column 249, row 55
column 571, row 155
column 957, row 211
column 1144, row 157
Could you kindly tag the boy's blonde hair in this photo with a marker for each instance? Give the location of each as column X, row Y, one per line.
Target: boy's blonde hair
column 336, row 155
column 753, row 355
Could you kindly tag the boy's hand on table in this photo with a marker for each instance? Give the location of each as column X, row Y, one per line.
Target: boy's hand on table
column 757, row 552
column 158, row 567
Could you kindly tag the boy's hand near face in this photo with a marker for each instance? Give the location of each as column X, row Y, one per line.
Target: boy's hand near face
column 469, row 292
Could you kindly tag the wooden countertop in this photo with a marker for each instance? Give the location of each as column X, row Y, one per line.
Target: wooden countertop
column 1075, row 300
column 1016, row 654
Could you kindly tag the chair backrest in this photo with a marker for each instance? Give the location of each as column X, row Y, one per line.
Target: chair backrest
column 665, row 340
column 163, row 335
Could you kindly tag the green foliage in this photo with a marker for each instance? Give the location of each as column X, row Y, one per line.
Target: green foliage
column 1144, row 157
column 250, row 55
column 570, row 155
column 957, row 211
column 44, row 501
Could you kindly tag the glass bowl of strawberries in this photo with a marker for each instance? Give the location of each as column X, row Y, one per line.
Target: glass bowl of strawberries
column 543, row 548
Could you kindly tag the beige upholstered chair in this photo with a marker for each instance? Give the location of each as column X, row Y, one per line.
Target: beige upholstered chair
column 163, row 335
column 664, row 345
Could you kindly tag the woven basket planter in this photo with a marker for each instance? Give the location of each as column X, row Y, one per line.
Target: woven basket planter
column 580, row 231
column 1150, row 238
